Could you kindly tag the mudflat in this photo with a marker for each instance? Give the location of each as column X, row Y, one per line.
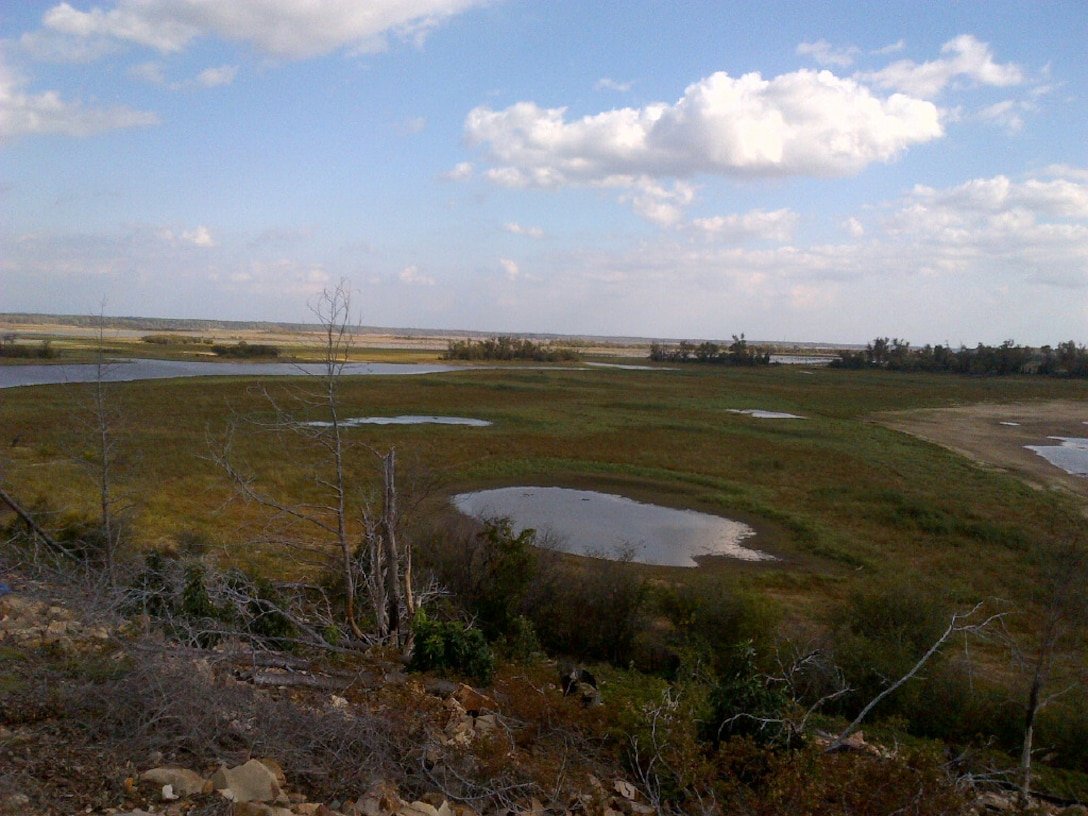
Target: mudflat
column 995, row 434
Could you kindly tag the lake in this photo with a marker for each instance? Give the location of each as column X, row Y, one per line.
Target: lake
column 1071, row 455
column 602, row 525
column 12, row 376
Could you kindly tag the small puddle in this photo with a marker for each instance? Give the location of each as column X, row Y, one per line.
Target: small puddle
column 602, row 525
column 760, row 414
column 407, row 419
column 1071, row 455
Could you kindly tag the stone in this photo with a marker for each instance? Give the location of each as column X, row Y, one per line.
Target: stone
column 252, row 782
column 418, row 809
column 183, row 781
column 625, row 789
column 473, row 701
column 382, row 798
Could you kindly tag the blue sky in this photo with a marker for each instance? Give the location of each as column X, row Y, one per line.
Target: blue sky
column 826, row 171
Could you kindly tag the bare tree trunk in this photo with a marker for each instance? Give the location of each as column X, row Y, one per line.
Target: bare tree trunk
column 389, row 544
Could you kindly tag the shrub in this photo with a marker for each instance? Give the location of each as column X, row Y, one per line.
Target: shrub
column 448, row 646
column 745, row 703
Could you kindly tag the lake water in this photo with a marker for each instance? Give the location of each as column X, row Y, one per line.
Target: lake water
column 131, row 370
column 603, row 525
column 1071, row 455
column 407, row 419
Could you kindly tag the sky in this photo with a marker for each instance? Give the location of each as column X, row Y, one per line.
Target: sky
column 688, row 169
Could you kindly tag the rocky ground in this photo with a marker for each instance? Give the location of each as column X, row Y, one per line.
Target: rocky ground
column 99, row 715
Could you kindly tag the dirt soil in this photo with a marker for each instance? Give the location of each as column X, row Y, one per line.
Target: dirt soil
column 984, row 434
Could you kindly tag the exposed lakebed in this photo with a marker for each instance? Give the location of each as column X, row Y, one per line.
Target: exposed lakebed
column 603, row 525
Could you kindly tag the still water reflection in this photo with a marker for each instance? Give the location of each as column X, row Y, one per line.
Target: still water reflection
column 131, row 370
column 602, row 525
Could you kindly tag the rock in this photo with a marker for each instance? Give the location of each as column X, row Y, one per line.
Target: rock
column 1074, row 810
column 252, row 782
column 183, row 781
column 382, row 798
column 418, row 809
column 486, row 724
column 473, row 701
column 625, row 789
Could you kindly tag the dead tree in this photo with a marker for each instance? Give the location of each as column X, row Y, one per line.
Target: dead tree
column 365, row 542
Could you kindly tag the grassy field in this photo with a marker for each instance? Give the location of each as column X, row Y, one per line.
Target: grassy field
column 842, row 500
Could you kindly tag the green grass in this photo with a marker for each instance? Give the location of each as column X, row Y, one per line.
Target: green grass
column 833, row 494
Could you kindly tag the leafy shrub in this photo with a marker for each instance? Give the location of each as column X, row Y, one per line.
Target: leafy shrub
column 448, row 646
column 745, row 703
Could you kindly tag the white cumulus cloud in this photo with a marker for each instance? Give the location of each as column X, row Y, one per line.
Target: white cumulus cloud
column 963, row 56
column 291, row 29
column 801, row 123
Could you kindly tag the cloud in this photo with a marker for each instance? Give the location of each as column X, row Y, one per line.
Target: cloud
column 964, row 57
column 510, row 268
column 823, row 54
column 461, row 172
column 47, row 113
column 607, row 84
column 282, row 28
column 413, row 277
column 892, row 48
column 518, row 229
column 199, row 237
column 803, row 123
column 213, row 77
column 1034, row 228
column 854, row 227
column 757, row 225
column 655, row 202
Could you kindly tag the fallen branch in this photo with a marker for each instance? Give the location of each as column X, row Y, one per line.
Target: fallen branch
column 954, row 627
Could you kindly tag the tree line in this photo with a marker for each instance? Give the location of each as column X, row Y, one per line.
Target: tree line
column 508, row 348
column 739, row 352
column 1066, row 360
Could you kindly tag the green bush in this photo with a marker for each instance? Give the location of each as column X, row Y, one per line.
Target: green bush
column 745, row 703
column 450, row 647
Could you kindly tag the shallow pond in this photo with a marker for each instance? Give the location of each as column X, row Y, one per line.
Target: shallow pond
column 407, row 419
column 603, row 525
column 1071, row 455
column 138, row 369
column 759, row 413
